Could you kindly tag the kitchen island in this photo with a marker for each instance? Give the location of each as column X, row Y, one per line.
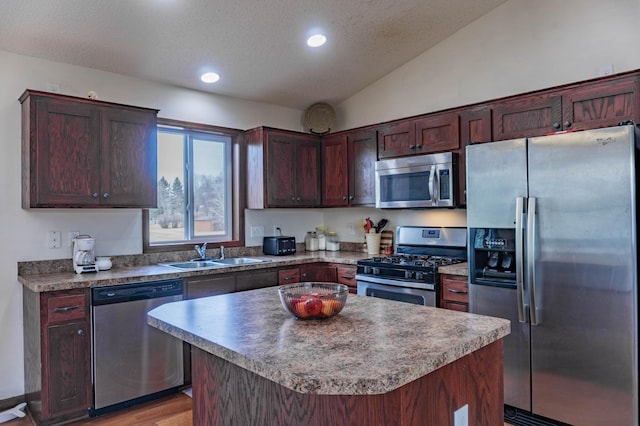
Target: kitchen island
column 378, row 362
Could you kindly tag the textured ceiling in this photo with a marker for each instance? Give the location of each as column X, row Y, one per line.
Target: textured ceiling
column 257, row 46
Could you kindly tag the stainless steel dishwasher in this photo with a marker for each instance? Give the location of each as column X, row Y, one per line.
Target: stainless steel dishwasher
column 132, row 361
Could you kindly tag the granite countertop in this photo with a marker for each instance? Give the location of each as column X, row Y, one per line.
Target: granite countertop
column 53, row 281
column 373, row 346
column 43, row 282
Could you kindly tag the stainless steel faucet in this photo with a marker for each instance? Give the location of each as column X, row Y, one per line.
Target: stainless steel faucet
column 221, row 252
column 202, row 250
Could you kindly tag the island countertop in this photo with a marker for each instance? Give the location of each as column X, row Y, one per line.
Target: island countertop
column 372, row 347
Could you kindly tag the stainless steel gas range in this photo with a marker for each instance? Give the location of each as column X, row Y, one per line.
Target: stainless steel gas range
column 411, row 273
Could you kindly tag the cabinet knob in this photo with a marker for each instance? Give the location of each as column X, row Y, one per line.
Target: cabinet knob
column 105, row 195
column 567, row 124
column 419, row 146
column 351, row 197
column 298, row 199
column 556, row 125
column 80, row 332
column 293, row 198
column 304, row 275
column 344, row 198
column 412, row 146
column 94, row 195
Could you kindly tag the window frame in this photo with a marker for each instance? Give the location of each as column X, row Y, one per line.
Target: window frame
column 238, row 191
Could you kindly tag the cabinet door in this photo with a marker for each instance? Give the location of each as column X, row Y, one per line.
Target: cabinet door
column 210, row 285
column 437, row 133
column 289, row 276
column 475, row 127
column 64, row 153
column 69, row 368
column 318, row 272
column 455, row 292
column 397, row 139
column 307, row 180
column 527, row 116
column 335, row 174
column 601, row 105
column 250, row 280
column 362, row 155
column 347, row 276
column 128, row 158
column 281, row 168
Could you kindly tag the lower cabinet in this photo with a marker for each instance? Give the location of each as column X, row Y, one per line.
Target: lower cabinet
column 455, row 292
column 322, row 272
column 57, row 355
column 347, row 276
column 325, row 272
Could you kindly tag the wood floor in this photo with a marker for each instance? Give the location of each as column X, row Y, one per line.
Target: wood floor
column 173, row 410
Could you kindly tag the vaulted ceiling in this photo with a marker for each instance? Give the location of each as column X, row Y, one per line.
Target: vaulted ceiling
column 257, row 46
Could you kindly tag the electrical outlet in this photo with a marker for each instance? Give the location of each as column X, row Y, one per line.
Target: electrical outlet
column 257, row 231
column 276, row 230
column 53, row 239
column 461, row 416
column 72, row 235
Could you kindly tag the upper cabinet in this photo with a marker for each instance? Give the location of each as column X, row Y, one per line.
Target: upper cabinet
column 348, row 161
column 397, row 139
column 583, row 106
column 83, row 153
column 283, row 169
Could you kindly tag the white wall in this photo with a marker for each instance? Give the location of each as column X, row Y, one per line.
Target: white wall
column 116, row 231
column 521, row 46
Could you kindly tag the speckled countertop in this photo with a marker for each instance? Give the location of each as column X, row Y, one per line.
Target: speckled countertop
column 455, row 269
column 373, row 346
column 53, row 281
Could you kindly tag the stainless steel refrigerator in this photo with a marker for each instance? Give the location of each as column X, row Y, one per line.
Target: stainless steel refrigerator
column 552, row 247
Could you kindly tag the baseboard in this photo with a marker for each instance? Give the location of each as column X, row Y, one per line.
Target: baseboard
column 5, row 404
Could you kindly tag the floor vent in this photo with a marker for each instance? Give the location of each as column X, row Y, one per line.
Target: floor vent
column 516, row 417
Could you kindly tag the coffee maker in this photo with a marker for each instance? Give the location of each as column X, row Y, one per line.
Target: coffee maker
column 84, row 258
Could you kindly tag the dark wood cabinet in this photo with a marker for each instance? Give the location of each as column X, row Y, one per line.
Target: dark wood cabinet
column 437, row 133
column 283, row 169
column 289, row 276
column 57, row 355
column 397, row 139
column 347, row 276
column 250, row 280
column 83, row 153
column 454, row 292
column 582, row 106
column 318, row 272
column 348, row 167
column 475, row 127
column 209, row 285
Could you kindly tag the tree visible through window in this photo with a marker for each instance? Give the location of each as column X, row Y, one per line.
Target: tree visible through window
column 195, row 188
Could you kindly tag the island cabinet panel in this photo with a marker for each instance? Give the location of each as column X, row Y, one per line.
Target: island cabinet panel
column 348, row 167
column 84, row 153
column 283, row 169
column 57, row 355
column 437, row 133
column 225, row 394
column 397, row 139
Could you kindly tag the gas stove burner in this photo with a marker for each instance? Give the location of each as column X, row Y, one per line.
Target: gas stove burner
column 415, row 260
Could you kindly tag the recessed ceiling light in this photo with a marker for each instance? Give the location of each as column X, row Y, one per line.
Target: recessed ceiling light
column 316, row 40
column 210, row 77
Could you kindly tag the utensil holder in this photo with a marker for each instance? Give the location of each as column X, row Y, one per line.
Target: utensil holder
column 373, row 243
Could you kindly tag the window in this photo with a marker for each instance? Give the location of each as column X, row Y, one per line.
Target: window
column 199, row 197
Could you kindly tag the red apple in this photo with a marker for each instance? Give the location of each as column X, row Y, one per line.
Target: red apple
column 313, row 306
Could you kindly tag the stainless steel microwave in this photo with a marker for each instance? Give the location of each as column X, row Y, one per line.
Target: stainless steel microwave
column 420, row 181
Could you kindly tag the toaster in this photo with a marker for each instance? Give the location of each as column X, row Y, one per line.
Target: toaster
column 279, row 246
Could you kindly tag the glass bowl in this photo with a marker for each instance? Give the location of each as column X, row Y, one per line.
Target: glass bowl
column 313, row 300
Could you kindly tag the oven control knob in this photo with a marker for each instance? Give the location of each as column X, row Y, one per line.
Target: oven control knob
column 408, row 274
column 420, row 276
column 376, row 271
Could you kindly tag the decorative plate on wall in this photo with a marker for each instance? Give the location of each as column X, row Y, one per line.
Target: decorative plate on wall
column 319, row 118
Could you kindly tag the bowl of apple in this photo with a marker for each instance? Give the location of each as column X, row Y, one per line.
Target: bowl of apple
column 313, row 300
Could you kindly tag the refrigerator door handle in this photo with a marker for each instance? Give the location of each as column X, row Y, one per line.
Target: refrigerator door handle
column 519, row 259
column 432, row 188
column 531, row 246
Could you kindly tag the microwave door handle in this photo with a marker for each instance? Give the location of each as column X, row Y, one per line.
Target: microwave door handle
column 432, row 188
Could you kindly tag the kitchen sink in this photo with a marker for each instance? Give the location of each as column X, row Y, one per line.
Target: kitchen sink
column 194, row 265
column 240, row 261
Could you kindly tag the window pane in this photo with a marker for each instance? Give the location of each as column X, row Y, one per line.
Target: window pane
column 210, row 212
column 166, row 223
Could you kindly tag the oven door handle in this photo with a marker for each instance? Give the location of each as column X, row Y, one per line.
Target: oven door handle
column 392, row 282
